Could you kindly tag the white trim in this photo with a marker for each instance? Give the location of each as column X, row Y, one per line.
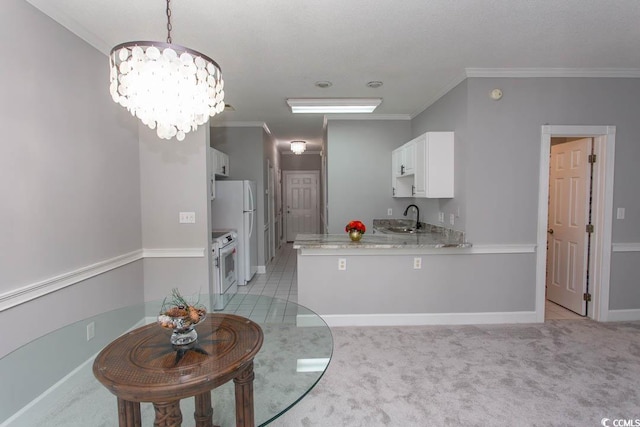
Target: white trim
column 626, row 247
column 306, row 152
column 239, row 124
column 38, row 289
column 35, row 290
column 361, row 116
column 623, row 315
column 604, row 138
column 262, row 269
column 455, row 81
column 173, row 253
column 55, row 13
column 413, row 319
column 474, row 250
column 64, row 379
column 553, row 72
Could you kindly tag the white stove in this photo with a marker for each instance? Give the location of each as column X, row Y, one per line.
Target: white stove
column 224, row 249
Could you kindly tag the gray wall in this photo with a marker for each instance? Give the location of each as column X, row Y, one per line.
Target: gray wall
column 173, row 179
column 302, row 162
column 501, row 156
column 246, row 149
column 359, row 170
column 69, row 176
column 449, row 113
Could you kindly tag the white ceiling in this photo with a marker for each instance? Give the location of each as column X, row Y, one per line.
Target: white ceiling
column 271, row 50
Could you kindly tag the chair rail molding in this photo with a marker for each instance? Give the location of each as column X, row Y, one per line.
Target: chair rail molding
column 38, row 289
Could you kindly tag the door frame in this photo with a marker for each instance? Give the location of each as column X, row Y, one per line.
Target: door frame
column 285, row 192
column 604, row 140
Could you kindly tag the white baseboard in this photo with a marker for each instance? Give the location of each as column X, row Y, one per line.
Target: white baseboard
column 262, row 269
column 623, row 315
column 415, row 319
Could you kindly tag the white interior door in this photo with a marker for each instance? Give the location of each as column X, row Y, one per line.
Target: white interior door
column 301, row 193
column 569, row 185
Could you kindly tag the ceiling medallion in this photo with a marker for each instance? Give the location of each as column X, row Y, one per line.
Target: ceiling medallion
column 170, row 88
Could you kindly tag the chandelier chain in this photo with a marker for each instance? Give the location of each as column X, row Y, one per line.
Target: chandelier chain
column 169, row 22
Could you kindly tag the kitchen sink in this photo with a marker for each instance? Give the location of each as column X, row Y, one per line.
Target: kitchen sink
column 403, row 230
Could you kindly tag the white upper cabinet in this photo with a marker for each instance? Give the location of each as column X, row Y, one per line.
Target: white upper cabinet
column 404, row 159
column 220, row 162
column 431, row 170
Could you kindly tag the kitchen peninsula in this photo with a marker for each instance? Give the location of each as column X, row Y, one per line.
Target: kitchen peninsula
column 410, row 278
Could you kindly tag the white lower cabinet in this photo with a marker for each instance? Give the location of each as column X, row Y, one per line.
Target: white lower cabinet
column 433, row 167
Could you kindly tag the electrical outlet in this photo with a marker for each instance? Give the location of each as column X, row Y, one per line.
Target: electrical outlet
column 417, row 263
column 91, row 331
column 452, row 219
column 342, row 264
column 187, row 217
column 441, row 216
column 389, row 212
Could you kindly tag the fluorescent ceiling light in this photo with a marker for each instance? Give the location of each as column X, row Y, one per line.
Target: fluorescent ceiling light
column 333, row 105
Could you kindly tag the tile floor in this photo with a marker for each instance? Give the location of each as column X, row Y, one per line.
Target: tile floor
column 280, row 282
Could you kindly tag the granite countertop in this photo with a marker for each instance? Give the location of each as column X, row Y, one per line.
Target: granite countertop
column 430, row 237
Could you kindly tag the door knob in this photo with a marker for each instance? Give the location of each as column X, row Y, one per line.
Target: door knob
column 550, row 231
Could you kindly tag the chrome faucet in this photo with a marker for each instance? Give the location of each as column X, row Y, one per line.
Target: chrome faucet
column 417, row 214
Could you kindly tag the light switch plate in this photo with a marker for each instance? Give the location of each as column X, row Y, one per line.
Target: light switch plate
column 389, row 212
column 441, row 216
column 452, row 219
column 187, row 218
column 620, row 213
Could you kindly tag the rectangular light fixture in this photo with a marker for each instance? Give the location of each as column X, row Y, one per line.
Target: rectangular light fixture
column 333, row 105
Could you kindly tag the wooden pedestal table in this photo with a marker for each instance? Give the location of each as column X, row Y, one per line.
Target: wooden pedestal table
column 141, row 366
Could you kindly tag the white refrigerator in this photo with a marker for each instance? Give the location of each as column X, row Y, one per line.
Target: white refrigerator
column 235, row 208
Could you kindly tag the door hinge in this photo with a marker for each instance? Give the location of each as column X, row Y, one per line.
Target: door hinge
column 586, row 296
column 589, row 228
column 592, row 158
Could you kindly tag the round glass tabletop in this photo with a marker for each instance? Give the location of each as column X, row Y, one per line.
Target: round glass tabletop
column 58, row 388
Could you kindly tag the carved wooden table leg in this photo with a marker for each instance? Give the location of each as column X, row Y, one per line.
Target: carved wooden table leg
column 167, row 414
column 244, row 397
column 129, row 413
column 204, row 411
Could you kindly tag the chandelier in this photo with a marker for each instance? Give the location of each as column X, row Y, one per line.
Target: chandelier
column 298, row 147
column 170, row 88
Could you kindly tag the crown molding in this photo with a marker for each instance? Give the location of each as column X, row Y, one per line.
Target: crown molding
column 554, row 72
column 305, row 153
column 240, row 125
column 455, row 81
column 367, row 116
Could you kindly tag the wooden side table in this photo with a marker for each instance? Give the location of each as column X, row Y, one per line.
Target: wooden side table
column 140, row 366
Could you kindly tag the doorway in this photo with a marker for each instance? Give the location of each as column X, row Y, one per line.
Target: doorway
column 599, row 257
column 568, row 244
column 300, row 203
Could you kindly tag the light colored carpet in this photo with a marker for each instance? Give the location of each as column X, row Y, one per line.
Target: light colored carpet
column 561, row 373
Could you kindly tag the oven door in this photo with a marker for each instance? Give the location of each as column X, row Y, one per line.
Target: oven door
column 228, row 266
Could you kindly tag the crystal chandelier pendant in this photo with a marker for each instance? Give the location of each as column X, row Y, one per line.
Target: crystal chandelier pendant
column 298, row 147
column 170, row 88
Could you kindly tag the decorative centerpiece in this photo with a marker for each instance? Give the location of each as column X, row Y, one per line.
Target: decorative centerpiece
column 355, row 229
column 182, row 317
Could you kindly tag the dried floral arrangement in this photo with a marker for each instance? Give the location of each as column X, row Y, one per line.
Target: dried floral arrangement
column 178, row 313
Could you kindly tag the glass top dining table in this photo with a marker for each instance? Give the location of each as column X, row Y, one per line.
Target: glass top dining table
column 295, row 353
